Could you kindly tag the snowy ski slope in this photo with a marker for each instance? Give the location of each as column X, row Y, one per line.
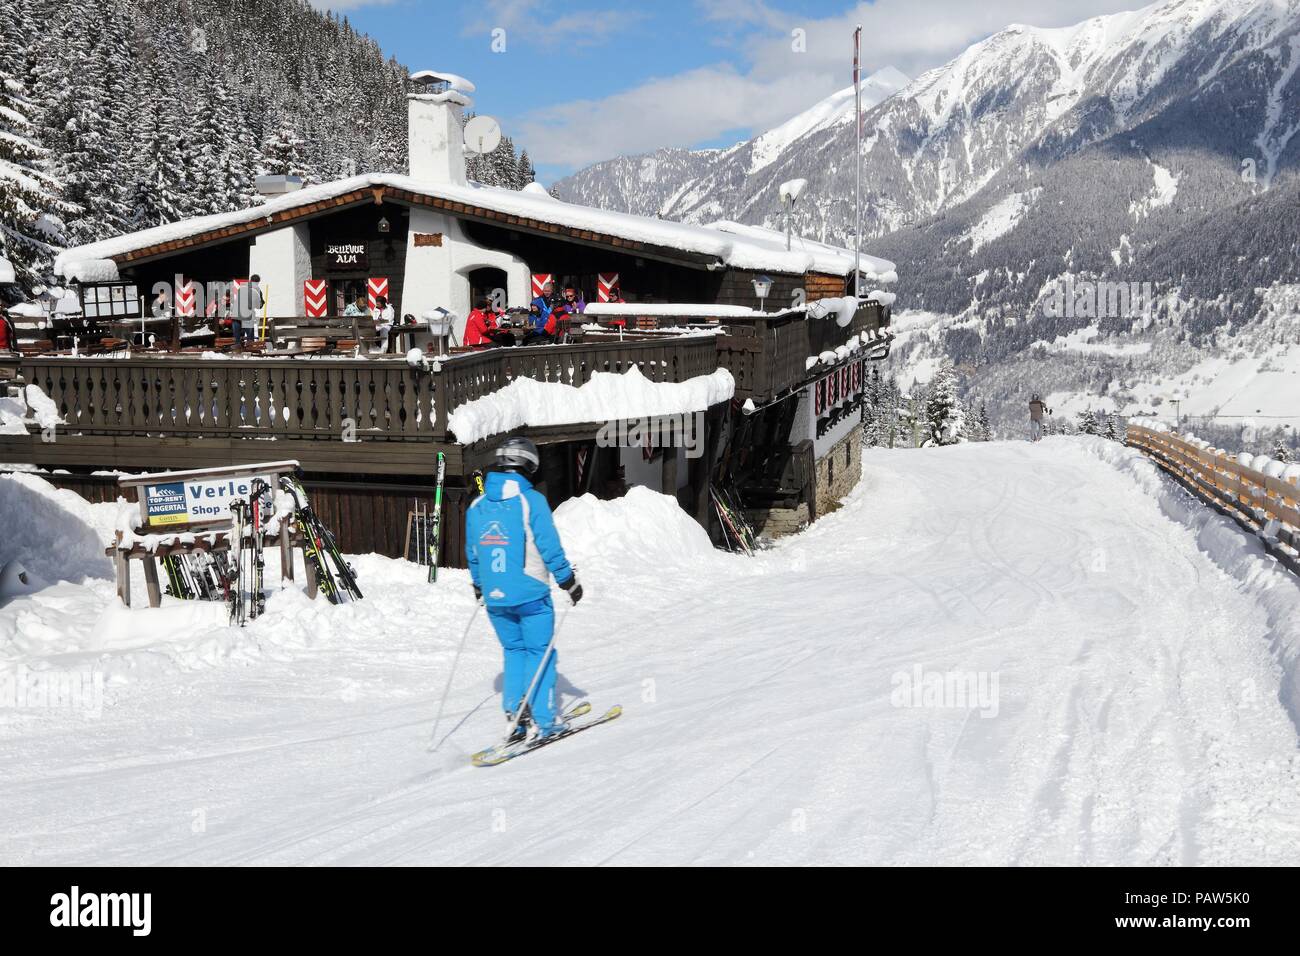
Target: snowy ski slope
column 1144, row 658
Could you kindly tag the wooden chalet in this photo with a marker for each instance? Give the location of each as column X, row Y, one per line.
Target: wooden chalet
column 367, row 426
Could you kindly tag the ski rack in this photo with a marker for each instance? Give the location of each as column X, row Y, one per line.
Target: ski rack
column 165, row 532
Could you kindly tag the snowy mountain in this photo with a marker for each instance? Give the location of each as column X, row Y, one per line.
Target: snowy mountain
column 1155, row 147
column 739, row 182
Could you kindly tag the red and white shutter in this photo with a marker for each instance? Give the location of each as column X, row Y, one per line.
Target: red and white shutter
column 606, row 286
column 374, row 289
column 819, row 398
column 185, row 298
column 540, row 279
column 314, row 298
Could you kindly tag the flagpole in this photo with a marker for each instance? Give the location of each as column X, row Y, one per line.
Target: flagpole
column 857, row 164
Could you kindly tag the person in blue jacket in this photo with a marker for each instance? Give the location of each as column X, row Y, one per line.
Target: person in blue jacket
column 513, row 549
column 543, row 303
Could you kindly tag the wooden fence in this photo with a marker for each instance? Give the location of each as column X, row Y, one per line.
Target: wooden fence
column 1267, row 506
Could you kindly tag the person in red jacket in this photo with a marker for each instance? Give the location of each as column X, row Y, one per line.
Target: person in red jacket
column 6, row 334
column 481, row 327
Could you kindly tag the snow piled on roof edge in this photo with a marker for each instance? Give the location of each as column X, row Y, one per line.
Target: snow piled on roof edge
column 751, row 249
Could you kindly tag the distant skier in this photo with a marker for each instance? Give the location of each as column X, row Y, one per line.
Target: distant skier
column 513, row 549
column 1036, row 411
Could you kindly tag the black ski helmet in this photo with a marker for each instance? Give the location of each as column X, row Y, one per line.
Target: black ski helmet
column 518, row 454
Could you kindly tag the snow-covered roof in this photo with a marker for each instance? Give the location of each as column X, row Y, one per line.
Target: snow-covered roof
column 741, row 247
column 455, row 81
column 873, row 267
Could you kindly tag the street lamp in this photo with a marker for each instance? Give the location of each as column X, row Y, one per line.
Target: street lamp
column 762, row 289
column 790, row 192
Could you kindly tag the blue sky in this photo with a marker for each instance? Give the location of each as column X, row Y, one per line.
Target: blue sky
column 579, row 81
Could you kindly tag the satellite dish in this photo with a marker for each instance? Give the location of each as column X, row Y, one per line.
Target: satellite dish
column 482, row 134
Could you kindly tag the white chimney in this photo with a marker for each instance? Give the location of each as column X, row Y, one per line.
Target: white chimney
column 435, row 126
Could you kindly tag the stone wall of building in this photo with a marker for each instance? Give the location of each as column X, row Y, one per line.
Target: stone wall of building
column 838, row 471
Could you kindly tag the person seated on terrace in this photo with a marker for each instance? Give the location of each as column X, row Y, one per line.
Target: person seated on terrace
column 573, row 301
column 385, row 315
column 481, row 327
column 541, row 325
column 545, row 300
column 359, row 307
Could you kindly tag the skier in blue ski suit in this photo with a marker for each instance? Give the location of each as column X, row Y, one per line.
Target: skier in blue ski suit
column 513, row 549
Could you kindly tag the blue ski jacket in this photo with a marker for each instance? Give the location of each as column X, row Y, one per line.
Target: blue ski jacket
column 511, row 544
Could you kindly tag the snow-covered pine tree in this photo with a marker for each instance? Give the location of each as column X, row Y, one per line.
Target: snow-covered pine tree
column 1280, row 451
column 282, row 154
column 1112, row 428
column 943, row 412
column 1088, row 422
column 526, row 172
column 30, row 209
column 982, row 418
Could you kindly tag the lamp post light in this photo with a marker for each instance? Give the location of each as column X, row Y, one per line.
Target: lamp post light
column 790, row 193
column 762, row 289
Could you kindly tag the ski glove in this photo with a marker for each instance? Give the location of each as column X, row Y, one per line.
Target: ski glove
column 478, row 595
column 573, row 587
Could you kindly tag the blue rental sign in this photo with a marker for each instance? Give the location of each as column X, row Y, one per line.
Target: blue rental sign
column 165, row 503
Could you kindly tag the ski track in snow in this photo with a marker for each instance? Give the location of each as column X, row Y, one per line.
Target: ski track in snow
column 1138, row 719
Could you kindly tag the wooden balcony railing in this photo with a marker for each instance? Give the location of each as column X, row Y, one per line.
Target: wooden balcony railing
column 369, row 399
column 769, row 356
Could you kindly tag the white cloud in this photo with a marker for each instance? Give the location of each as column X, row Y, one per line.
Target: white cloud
column 682, row 109
column 536, row 22
column 775, row 82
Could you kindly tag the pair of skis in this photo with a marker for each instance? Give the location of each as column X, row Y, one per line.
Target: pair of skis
column 503, row 752
column 247, row 566
column 333, row 575
column 735, row 529
column 195, row 576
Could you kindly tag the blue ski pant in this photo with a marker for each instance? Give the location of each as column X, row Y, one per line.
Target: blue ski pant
column 524, row 630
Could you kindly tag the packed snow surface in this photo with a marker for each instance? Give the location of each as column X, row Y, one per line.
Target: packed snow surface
column 1129, row 658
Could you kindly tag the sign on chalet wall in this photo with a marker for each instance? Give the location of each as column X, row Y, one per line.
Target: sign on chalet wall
column 346, row 255
column 428, row 239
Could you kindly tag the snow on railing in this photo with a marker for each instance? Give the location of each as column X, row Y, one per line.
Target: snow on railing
column 1258, row 492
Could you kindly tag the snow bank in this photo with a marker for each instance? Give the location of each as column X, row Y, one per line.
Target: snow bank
column 643, row 527
column 1239, row 554
column 57, row 534
column 606, row 397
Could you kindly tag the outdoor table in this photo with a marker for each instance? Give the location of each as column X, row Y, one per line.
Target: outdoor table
column 397, row 331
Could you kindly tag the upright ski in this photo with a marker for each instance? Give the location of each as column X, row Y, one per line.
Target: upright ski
column 437, row 520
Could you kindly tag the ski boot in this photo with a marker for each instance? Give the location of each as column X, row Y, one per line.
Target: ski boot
column 520, row 733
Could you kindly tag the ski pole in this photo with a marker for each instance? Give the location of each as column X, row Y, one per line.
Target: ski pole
column 450, row 676
column 528, row 697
